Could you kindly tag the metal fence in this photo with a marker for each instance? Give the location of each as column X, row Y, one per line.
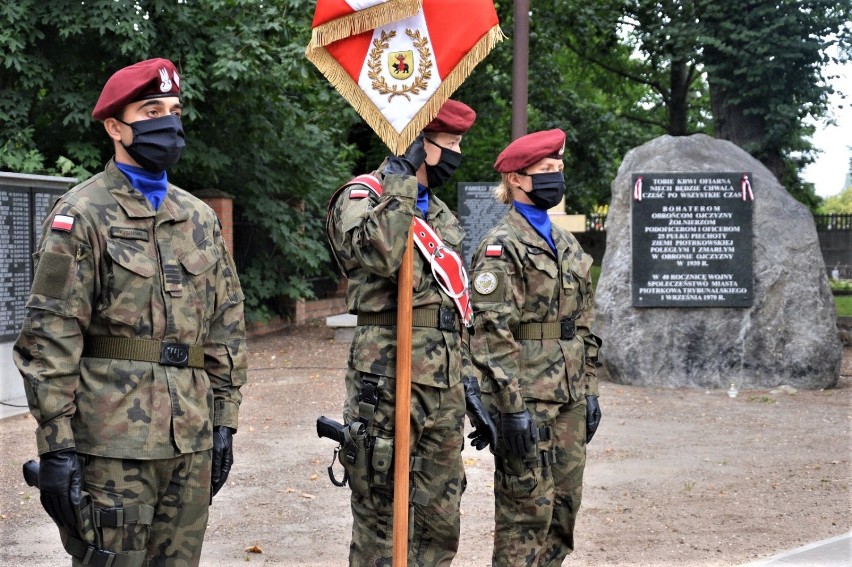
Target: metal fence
column 834, row 221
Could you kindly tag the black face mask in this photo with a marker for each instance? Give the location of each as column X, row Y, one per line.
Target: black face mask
column 157, row 143
column 547, row 189
column 438, row 174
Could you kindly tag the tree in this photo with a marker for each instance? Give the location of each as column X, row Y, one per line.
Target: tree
column 762, row 60
column 595, row 109
column 650, row 43
column 842, row 202
column 764, row 67
column 261, row 123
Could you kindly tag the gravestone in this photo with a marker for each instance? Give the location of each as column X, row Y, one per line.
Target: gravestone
column 784, row 333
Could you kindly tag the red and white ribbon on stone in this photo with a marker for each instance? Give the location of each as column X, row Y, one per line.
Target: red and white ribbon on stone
column 637, row 189
column 745, row 187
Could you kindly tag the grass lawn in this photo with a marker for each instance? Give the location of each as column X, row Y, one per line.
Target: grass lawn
column 844, row 305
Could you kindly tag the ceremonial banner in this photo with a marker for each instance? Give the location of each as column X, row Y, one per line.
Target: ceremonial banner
column 397, row 61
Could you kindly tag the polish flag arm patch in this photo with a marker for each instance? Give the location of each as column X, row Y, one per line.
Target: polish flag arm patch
column 62, row 222
column 494, row 250
column 358, row 193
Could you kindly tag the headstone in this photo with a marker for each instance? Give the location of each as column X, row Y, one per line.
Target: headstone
column 786, row 334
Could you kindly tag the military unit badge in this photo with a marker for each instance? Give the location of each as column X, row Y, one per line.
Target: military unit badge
column 485, row 283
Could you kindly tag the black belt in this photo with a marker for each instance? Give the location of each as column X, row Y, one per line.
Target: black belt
column 443, row 318
column 144, row 350
column 564, row 330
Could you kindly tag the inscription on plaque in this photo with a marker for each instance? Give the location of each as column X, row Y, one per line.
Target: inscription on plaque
column 692, row 239
column 15, row 264
column 22, row 211
column 478, row 213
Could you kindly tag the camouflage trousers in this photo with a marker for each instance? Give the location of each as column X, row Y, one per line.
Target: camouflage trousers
column 436, row 480
column 536, row 500
column 163, row 503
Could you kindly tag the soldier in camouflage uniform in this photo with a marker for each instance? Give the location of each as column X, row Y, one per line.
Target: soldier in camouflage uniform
column 534, row 308
column 367, row 229
column 133, row 347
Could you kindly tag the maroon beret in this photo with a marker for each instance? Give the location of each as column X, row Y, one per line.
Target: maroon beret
column 454, row 118
column 530, row 149
column 152, row 78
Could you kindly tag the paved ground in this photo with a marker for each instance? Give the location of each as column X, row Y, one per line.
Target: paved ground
column 675, row 477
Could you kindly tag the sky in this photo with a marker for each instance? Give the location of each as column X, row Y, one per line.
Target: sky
column 828, row 172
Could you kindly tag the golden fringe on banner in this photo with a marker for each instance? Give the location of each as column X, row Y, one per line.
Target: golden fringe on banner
column 362, row 21
column 398, row 142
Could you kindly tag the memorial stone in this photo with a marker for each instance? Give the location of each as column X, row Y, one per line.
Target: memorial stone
column 784, row 334
column 25, row 201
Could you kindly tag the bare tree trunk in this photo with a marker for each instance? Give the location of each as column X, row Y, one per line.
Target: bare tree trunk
column 745, row 130
column 678, row 104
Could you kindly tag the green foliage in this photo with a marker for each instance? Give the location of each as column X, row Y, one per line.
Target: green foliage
column 593, row 107
column 840, row 285
column 765, row 70
column 261, row 124
column 840, row 203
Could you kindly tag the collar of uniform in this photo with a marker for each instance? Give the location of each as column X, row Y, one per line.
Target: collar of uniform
column 527, row 234
column 172, row 208
column 135, row 204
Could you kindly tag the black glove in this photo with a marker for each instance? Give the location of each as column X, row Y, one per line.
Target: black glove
column 60, row 480
column 223, row 456
column 593, row 417
column 484, row 433
column 410, row 162
column 518, row 432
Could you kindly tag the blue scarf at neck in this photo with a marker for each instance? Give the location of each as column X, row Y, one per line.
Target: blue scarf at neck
column 423, row 198
column 152, row 185
column 538, row 219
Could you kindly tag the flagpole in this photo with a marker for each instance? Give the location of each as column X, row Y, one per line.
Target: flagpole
column 520, row 68
column 402, row 428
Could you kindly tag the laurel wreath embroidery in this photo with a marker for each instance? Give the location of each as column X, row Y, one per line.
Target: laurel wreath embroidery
column 424, row 69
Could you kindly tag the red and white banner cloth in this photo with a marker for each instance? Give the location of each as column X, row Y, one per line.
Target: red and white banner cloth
column 397, row 61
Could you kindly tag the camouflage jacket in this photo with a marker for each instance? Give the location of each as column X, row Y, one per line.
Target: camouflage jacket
column 368, row 236
column 123, row 269
column 527, row 283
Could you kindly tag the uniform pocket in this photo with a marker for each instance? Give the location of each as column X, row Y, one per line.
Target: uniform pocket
column 199, row 263
column 200, row 259
column 541, row 280
column 574, row 285
column 130, row 283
